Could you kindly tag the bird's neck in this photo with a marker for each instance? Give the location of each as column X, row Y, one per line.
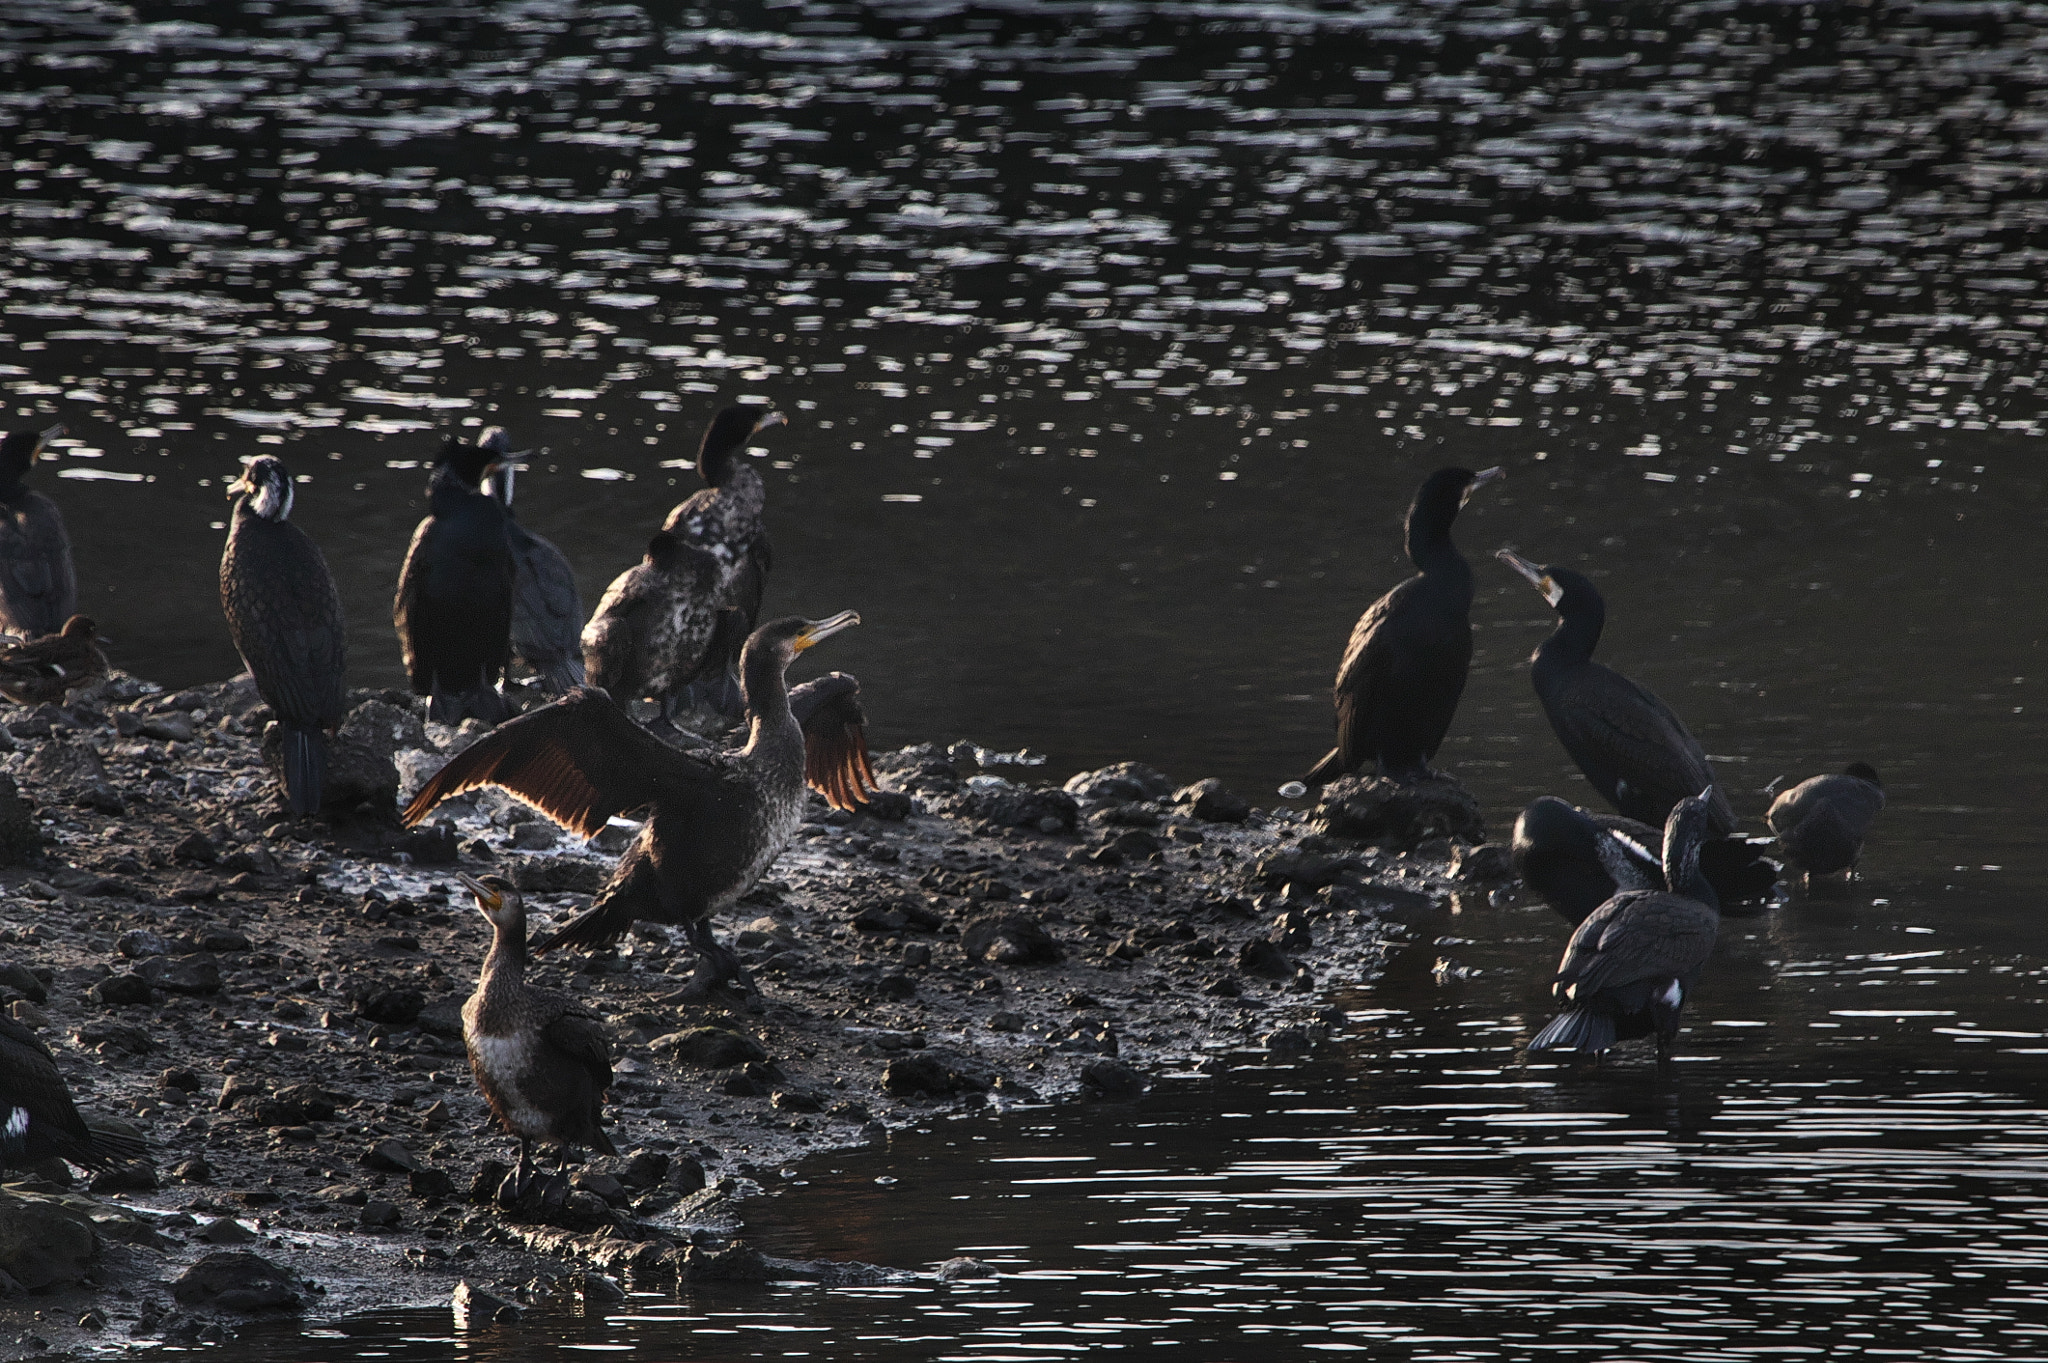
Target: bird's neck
column 1688, row 879
column 508, row 951
column 766, row 691
column 1430, row 547
column 1574, row 638
column 448, row 488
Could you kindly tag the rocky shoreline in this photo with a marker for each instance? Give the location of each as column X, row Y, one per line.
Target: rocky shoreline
column 273, row 1004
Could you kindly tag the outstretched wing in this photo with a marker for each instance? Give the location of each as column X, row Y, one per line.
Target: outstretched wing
column 835, row 739
column 579, row 760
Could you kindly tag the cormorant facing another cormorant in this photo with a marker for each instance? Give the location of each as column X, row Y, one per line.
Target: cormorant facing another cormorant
column 38, row 1120
column 1576, row 860
column 453, row 610
column 38, row 585
column 726, row 518
column 46, row 669
column 1822, row 821
column 1404, row 669
column 1634, row 961
column 542, row 1060
column 653, row 632
column 716, row 819
column 1631, row 747
column 284, row 614
column 547, row 610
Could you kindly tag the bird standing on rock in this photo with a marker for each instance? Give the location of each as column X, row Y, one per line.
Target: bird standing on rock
column 547, row 610
column 1822, row 822
column 1635, row 960
column 44, row 670
column 541, row 1060
column 38, row 1120
column 716, row 819
column 38, row 585
column 1398, row 686
column 727, row 520
column 284, row 614
column 652, row 632
column 1631, row 747
column 453, row 610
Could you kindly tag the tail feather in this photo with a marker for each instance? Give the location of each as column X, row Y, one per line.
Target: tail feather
column 305, row 769
column 115, row 1141
column 562, row 675
column 599, row 925
column 1579, row 1030
column 1327, row 770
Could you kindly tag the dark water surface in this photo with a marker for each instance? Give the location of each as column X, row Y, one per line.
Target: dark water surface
column 1115, row 338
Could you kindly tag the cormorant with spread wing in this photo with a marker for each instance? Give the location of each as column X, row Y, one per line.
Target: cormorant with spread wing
column 547, row 610
column 453, row 610
column 38, row 585
column 1404, row 669
column 716, row 819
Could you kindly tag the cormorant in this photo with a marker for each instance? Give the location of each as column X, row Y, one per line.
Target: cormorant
column 726, row 519
column 1629, row 744
column 44, row 670
column 547, row 610
column 1822, row 821
column 542, row 1060
column 1577, row 860
column 38, row 1120
column 1633, row 963
column 38, row 585
column 285, row 617
column 717, row 818
column 652, row 632
column 453, row 610
column 1404, row 669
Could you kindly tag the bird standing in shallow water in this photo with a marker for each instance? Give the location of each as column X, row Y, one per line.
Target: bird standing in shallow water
column 1577, row 860
column 547, row 610
column 38, row 585
column 44, row 670
column 1635, row 960
column 1822, row 822
column 453, row 610
column 38, row 1120
column 541, row 1059
column 726, row 519
column 1398, row 686
column 285, row 617
column 716, row 819
column 1631, row 747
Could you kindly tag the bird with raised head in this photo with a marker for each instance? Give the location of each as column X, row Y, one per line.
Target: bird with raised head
column 1632, row 964
column 453, row 610
column 284, row 614
column 38, row 584
column 1631, row 747
column 1822, row 822
column 1404, row 669
column 547, row 609
column 715, row 820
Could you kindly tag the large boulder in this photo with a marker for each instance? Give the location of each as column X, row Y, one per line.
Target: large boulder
column 1120, row 782
column 360, row 765
column 1397, row 813
column 236, row 1280
column 44, row 1241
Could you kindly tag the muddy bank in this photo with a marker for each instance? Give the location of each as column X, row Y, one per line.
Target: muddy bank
column 274, row 1004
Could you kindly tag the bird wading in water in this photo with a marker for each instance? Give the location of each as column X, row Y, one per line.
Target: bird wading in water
column 453, row 610
column 38, row 585
column 1576, row 860
column 716, row 819
column 1822, row 822
column 284, row 614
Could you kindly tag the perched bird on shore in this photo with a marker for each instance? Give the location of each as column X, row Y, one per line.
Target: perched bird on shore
column 38, row 1120
column 1576, row 860
column 44, row 670
column 542, row 1060
column 38, row 585
column 716, row 818
column 453, row 610
column 284, row 614
column 652, row 634
column 726, row 519
column 1631, row 747
column 1822, row 822
column 1404, row 669
column 547, row 610
column 1635, row 960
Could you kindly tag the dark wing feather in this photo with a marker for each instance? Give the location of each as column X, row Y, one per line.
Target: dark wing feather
column 38, row 585
column 835, row 739
column 578, row 1036
column 29, row 1079
column 579, row 760
column 1635, row 937
column 284, row 614
column 1606, row 720
column 1361, row 677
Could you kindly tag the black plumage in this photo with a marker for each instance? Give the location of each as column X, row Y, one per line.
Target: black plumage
column 1635, row 960
column 1576, row 860
column 44, row 670
column 1631, row 747
column 1404, row 669
column 284, row 614
column 1822, row 822
column 547, row 609
column 727, row 520
column 453, row 610
column 716, row 819
column 653, row 631
column 38, row 1120
column 38, row 585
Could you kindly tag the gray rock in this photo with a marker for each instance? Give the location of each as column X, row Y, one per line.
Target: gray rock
column 138, row 942
column 1121, row 781
column 121, row 991
column 1112, row 1080
column 713, row 1048
column 195, row 974
column 933, row 1074
column 104, row 1037
column 19, row 979
column 1023, row 807
column 1008, row 939
column 1308, row 870
column 45, row 1241
column 1481, row 865
column 1212, row 801
column 1261, row 957
column 236, row 1280
column 394, row 1007
column 555, row 875
column 21, row 840
column 1397, row 813
column 475, row 1308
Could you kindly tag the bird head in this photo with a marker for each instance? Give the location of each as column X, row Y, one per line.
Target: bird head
column 268, row 486
column 20, row 449
column 496, row 900
column 783, row 639
column 727, row 435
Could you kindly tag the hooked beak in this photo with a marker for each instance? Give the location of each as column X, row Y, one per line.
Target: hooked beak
column 817, row 631
column 486, row 897
column 1537, row 578
column 772, row 419
column 1480, row 480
